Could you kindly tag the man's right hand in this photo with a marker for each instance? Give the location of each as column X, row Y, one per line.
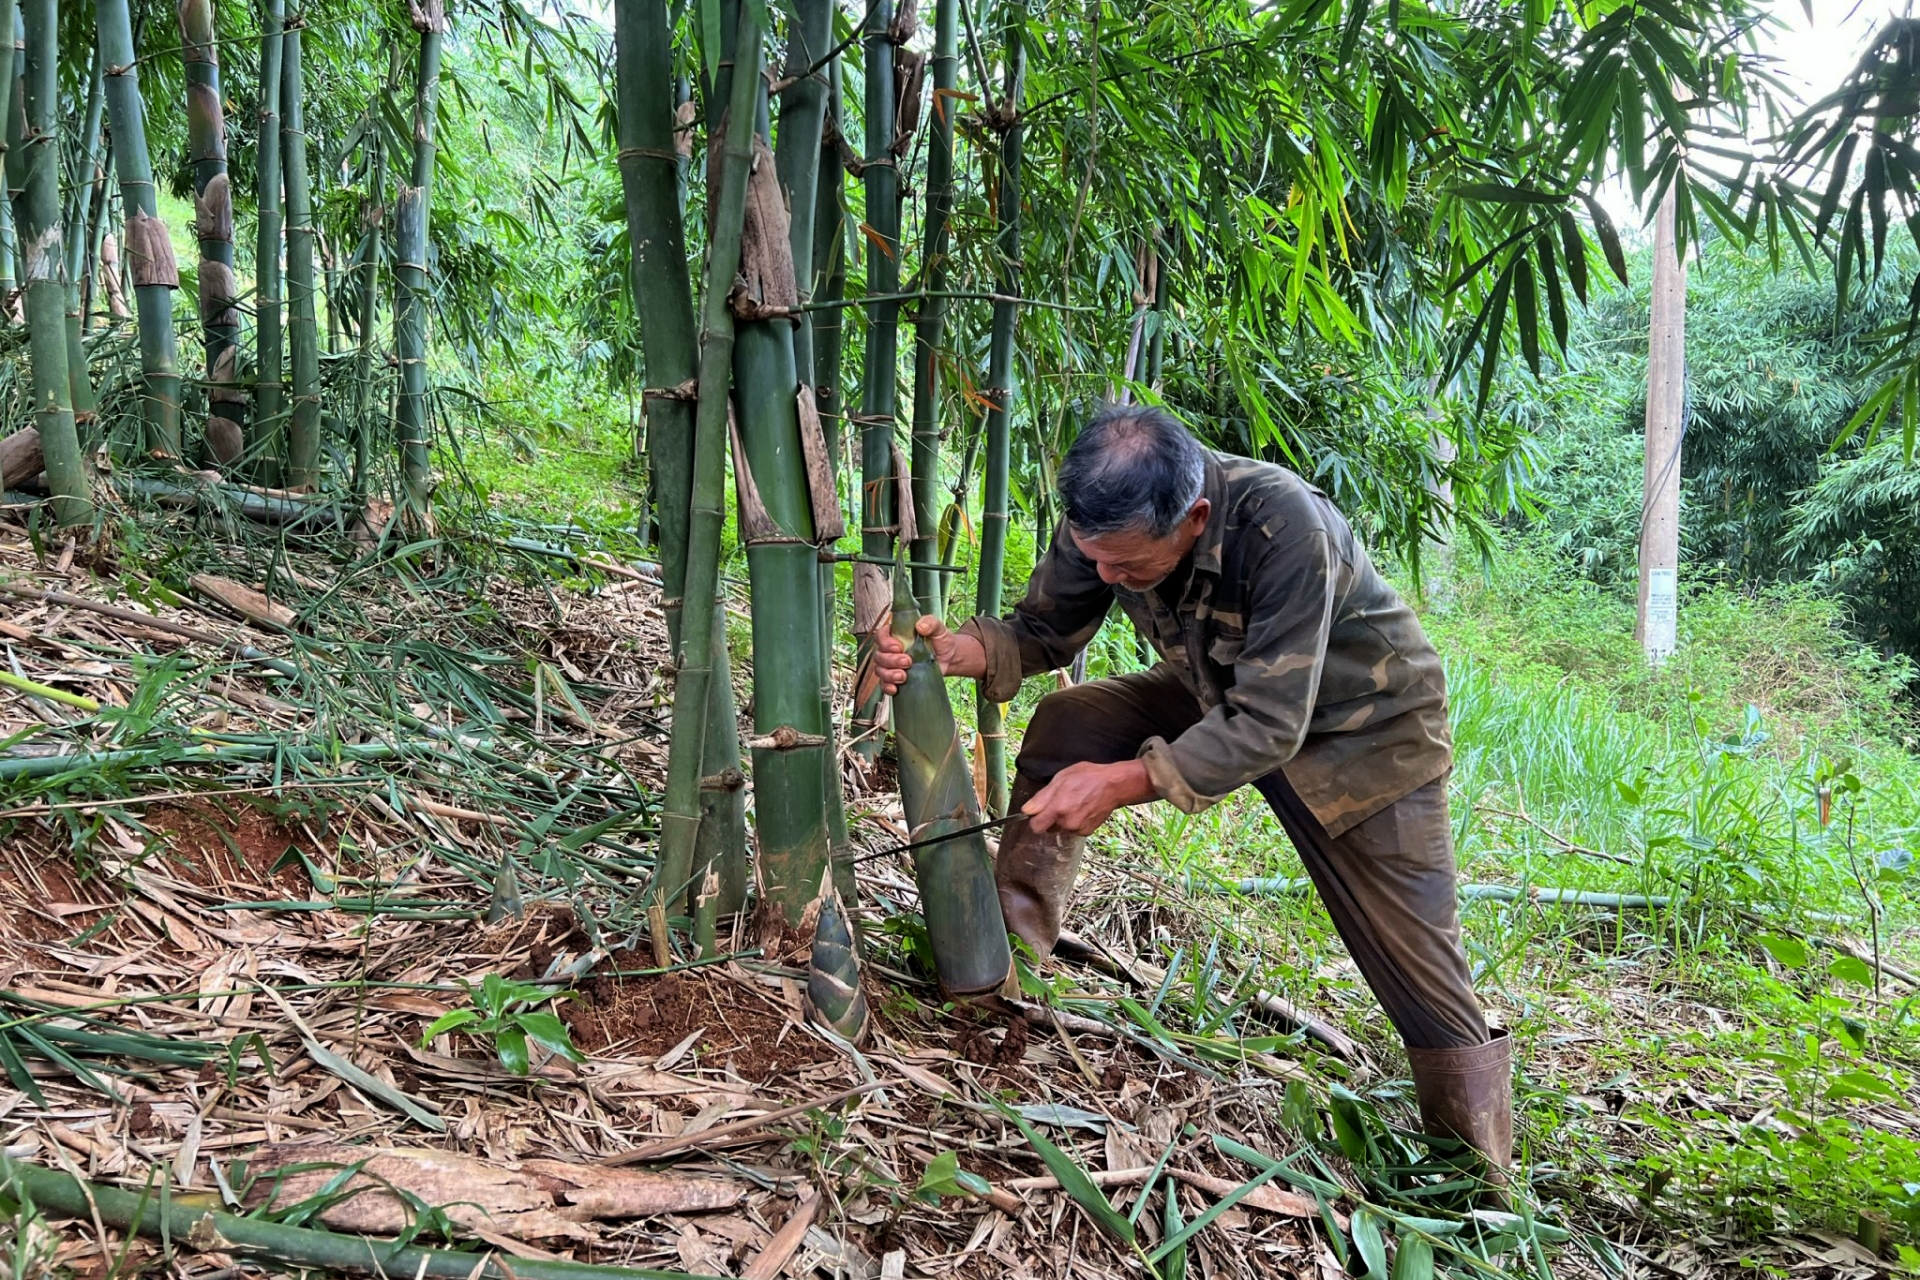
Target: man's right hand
column 957, row 655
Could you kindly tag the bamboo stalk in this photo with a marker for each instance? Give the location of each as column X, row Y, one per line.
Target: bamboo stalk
column 680, row 816
column 930, row 328
column 9, row 74
column 1157, row 338
column 213, row 227
column 412, row 286
column 957, row 896
column 79, row 383
column 879, row 517
column 269, row 391
column 373, row 217
column 828, row 269
column 33, row 180
column 303, row 334
column 999, row 440
column 777, row 524
column 650, row 181
column 193, row 1223
column 149, row 251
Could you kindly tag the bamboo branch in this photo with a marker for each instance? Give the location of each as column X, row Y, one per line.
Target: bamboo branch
column 198, row 1227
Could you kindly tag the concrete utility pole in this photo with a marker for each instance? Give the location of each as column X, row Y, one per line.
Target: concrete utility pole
column 1658, row 625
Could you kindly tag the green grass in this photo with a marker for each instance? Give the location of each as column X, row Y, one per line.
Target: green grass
column 554, row 451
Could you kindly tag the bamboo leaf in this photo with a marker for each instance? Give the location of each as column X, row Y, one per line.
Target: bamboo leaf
column 1413, row 1259
column 1074, row 1181
column 1609, row 238
column 1369, row 1243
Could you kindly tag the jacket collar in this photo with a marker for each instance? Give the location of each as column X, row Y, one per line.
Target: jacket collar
column 1206, row 551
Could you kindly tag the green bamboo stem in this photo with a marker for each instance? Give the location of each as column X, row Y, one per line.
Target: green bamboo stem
column 1000, row 390
column 96, row 228
column 303, row 334
column 269, row 386
column 412, row 286
column 930, row 329
column 213, row 227
column 650, row 180
column 373, row 217
column 33, row 181
column 879, row 519
column 680, row 815
column 799, row 154
column 957, row 896
column 9, row 75
column 182, row 1220
column 783, row 565
column 828, row 271
column 148, row 249
column 79, row 383
column 1157, row 337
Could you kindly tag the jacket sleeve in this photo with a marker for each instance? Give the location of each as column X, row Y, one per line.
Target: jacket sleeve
column 1263, row 719
column 1064, row 606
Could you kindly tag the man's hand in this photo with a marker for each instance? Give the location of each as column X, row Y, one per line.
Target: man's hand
column 1083, row 796
column 956, row 655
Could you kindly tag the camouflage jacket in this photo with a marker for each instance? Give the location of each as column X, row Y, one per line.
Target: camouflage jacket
column 1302, row 657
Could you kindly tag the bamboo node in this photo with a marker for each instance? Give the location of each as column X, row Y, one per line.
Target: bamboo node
column 785, row 738
column 688, row 391
column 647, row 153
column 725, row 780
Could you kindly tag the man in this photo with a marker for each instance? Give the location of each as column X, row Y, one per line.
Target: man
column 1286, row 663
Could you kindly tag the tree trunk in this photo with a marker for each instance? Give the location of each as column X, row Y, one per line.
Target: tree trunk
column 33, row 179
column 1658, row 627
column 1000, row 390
column 213, row 227
column 879, row 519
column 779, row 526
column 269, row 387
column 931, row 327
column 680, row 819
column 79, row 202
column 149, row 251
column 303, row 336
column 650, row 180
column 412, row 287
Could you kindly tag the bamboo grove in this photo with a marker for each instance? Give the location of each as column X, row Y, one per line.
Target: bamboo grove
column 864, row 269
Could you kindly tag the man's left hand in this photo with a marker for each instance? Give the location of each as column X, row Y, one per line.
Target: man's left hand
column 1082, row 796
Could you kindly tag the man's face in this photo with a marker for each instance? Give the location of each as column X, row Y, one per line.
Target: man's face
column 1135, row 559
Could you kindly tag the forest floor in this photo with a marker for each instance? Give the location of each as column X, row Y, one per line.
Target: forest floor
column 428, row 786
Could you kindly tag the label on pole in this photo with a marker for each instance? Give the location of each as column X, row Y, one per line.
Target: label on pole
column 1663, row 614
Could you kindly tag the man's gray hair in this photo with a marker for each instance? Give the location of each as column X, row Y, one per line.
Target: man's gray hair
column 1132, row 469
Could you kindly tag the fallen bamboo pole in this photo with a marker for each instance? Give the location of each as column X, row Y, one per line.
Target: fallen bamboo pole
column 205, row 1229
column 243, row 651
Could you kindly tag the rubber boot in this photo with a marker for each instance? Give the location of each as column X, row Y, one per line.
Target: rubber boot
column 1034, row 872
column 1468, row 1094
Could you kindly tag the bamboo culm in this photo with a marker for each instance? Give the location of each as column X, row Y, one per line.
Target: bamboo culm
column 879, row 518
column 412, row 288
column 680, row 816
column 79, row 382
column 157, row 1213
column 148, row 248
column 33, row 164
column 965, row 929
column 373, row 216
column 650, row 179
column 269, row 391
column 991, row 717
column 929, row 331
column 213, row 228
column 828, row 270
column 777, row 521
column 9, row 74
column 303, row 334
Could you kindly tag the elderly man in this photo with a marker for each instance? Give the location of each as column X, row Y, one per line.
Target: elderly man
column 1285, row 663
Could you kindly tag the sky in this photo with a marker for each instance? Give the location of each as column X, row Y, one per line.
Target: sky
column 1817, row 54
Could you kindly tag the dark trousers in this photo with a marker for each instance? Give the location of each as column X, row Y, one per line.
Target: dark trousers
column 1389, row 882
